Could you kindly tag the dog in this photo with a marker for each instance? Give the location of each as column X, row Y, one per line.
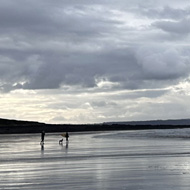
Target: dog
column 61, row 141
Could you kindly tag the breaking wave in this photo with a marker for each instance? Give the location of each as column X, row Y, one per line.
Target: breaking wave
column 158, row 133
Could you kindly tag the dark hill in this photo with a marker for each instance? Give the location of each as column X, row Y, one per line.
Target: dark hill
column 9, row 122
column 155, row 122
column 15, row 126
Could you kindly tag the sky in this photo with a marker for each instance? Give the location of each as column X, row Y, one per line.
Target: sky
column 87, row 61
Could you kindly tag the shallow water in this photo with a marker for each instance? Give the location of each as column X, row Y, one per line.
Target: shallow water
column 152, row 160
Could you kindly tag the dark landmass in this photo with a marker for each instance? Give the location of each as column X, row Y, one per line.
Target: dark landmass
column 155, row 122
column 15, row 126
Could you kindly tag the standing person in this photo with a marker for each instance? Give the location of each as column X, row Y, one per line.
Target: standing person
column 67, row 136
column 42, row 137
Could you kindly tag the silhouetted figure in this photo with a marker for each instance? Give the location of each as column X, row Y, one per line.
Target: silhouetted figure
column 42, row 137
column 67, row 136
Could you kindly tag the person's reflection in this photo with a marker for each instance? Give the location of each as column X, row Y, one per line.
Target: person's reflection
column 65, row 147
column 67, row 144
column 42, row 149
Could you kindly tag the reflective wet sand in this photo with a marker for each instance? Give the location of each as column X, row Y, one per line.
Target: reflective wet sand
column 110, row 160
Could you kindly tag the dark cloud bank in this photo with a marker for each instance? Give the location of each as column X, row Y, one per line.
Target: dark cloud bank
column 49, row 44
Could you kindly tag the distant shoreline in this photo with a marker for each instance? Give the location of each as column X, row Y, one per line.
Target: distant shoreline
column 17, row 127
column 50, row 128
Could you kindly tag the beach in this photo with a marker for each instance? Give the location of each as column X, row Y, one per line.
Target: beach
column 134, row 160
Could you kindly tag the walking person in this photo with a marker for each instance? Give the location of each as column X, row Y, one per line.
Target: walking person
column 42, row 137
column 67, row 136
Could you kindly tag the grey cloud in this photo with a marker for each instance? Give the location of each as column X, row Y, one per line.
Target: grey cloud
column 163, row 63
column 181, row 27
column 142, row 94
column 70, row 71
column 130, row 69
column 165, row 13
column 103, row 104
column 56, row 44
column 22, row 14
column 29, row 19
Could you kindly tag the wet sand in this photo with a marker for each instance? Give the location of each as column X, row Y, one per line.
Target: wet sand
column 130, row 160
